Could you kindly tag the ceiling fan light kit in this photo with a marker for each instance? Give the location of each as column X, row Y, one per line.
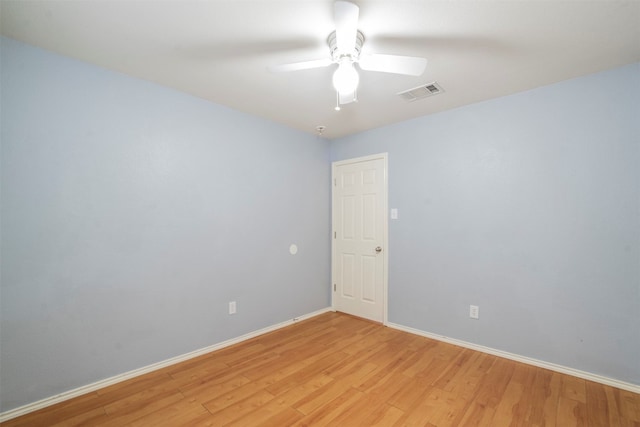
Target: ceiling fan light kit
column 346, row 78
column 345, row 46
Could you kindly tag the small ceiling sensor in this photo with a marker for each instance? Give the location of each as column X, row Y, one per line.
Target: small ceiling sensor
column 320, row 130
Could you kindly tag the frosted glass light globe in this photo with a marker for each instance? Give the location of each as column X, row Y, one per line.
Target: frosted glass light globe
column 346, row 78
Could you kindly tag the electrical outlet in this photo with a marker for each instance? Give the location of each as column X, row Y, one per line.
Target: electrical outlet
column 232, row 307
column 474, row 312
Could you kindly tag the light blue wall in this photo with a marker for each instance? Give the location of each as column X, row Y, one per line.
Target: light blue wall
column 132, row 214
column 528, row 206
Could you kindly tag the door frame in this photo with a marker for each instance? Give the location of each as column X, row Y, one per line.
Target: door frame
column 385, row 228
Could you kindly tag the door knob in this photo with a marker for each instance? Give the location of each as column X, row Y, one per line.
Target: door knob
column 378, row 249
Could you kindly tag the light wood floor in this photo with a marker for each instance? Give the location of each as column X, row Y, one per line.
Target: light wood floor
column 339, row 370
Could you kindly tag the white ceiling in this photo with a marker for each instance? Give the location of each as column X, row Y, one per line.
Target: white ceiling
column 220, row 49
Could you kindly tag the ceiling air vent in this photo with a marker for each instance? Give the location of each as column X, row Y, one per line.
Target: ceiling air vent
column 420, row 92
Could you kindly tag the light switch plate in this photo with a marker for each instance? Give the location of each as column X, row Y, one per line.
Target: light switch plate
column 394, row 213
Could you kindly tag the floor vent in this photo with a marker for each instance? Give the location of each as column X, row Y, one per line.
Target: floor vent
column 420, row 92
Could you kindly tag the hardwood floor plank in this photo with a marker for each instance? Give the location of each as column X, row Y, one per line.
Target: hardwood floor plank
column 387, row 390
column 338, row 370
column 286, row 417
column 571, row 412
column 496, row 382
column 271, row 413
column 372, row 406
column 525, row 376
column 388, row 366
column 326, row 413
column 478, row 415
column 438, row 407
column 629, row 405
column 597, row 406
column 510, row 398
column 132, row 412
column 574, row 388
column 321, row 362
column 613, row 410
column 90, row 417
column 408, row 397
column 277, row 367
column 387, row 416
column 262, row 362
column 366, row 346
column 535, row 391
column 552, row 396
column 206, row 390
column 347, row 366
column 238, row 406
column 469, row 374
column 440, row 365
column 180, row 413
column 424, row 361
column 233, row 397
column 296, row 394
column 204, row 420
column 239, row 354
column 324, row 395
column 357, row 412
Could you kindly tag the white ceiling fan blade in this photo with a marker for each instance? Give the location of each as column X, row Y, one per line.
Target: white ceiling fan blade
column 295, row 66
column 345, row 15
column 409, row 65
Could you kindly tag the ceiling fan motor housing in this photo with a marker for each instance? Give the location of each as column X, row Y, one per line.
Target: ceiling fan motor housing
column 336, row 55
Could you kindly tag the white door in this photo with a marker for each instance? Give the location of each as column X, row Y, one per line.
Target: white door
column 359, row 253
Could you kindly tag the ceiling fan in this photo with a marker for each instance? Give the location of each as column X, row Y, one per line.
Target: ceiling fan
column 345, row 46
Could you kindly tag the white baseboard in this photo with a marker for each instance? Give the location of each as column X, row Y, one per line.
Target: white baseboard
column 539, row 363
column 40, row 404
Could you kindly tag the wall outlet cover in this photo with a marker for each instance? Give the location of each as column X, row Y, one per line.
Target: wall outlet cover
column 474, row 312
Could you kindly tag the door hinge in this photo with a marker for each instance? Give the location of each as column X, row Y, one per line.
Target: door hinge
column 334, row 182
column 334, row 234
column 334, row 287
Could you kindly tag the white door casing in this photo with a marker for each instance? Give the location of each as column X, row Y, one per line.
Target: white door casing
column 359, row 240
